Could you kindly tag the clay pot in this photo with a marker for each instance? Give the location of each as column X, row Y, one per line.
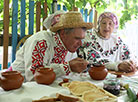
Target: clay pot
column 98, row 72
column 11, row 80
column 44, row 76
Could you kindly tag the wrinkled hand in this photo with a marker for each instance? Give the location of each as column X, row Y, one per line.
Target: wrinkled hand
column 127, row 66
column 78, row 64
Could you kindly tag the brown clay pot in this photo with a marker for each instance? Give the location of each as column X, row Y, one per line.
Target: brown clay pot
column 98, row 72
column 11, row 80
column 44, row 76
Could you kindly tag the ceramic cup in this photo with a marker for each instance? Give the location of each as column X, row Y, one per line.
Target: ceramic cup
column 44, row 76
column 11, row 80
column 98, row 72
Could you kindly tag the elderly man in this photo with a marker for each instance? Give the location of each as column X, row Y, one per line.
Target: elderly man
column 49, row 49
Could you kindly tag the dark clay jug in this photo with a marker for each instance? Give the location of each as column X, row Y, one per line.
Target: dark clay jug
column 11, row 80
column 44, row 76
column 98, row 72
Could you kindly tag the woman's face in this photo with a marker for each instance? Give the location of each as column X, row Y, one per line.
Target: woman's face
column 106, row 27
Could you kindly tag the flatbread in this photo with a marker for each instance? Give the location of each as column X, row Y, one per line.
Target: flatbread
column 47, row 99
column 89, row 92
column 68, row 98
column 59, row 98
column 91, row 96
column 78, row 88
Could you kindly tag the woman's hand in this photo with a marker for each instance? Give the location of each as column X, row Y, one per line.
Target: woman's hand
column 127, row 66
column 78, row 64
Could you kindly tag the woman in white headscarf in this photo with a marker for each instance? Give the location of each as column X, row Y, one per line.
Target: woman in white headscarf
column 104, row 47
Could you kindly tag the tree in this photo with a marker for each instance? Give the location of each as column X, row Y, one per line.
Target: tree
column 126, row 10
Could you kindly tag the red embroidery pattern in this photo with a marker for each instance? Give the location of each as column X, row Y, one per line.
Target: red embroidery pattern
column 59, row 56
column 60, row 53
column 66, row 69
column 38, row 55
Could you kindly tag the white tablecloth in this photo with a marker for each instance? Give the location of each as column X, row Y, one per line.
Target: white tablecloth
column 32, row 91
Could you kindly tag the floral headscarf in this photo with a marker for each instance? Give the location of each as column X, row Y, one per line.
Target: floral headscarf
column 110, row 15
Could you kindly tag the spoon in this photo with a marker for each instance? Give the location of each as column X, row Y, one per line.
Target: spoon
column 87, row 69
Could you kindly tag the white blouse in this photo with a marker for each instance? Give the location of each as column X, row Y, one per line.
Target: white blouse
column 105, row 51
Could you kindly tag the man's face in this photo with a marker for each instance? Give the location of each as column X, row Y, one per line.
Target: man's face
column 73, row 40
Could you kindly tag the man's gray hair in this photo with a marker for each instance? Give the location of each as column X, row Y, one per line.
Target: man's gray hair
column 69, row 30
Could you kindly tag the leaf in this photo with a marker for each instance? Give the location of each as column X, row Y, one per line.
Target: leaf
column 79, row 4
column 136, row 100
column 120, row 5
column 69, row 7
column 84, row 3
column 114, row 1
column 134, row 1
column 71, row 2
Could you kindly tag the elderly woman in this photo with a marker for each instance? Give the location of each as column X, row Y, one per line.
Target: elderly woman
column 104, row 47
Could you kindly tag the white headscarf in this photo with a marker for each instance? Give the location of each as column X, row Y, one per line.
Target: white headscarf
column 50, row 19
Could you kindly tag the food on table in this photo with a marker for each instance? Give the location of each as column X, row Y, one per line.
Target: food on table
column 131, row 94
column 60, row 84
column 59, row 98
column 112, row 86
column 81, row 92
column 68, row 98
column 89, row 92
column 119, row 76
column 97, row 96
column 78, row 88
column 65, row 80
column 46, row 99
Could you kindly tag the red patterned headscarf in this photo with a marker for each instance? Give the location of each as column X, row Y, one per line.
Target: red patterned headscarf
column 110, row 15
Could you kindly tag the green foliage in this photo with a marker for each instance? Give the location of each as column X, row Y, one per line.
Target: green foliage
column 132, row 95
column 1, row 27
column 100, row 6
column 126, row 10
column 1, row 15
column 1, row 5
column 80, row 4
column 69, row 7
column 130, row 11
column 124, row 18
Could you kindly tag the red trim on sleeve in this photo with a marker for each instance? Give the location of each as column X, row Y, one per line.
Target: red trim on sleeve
column 38, row 55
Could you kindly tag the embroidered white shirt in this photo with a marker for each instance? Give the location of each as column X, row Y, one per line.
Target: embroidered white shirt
column 43, row 49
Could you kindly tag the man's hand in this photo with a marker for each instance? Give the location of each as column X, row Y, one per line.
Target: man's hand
column 78, row 64
column 127, row 66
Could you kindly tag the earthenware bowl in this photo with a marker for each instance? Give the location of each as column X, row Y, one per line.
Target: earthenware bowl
column 98, row 72
column 44, row 76
column 11, row 80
